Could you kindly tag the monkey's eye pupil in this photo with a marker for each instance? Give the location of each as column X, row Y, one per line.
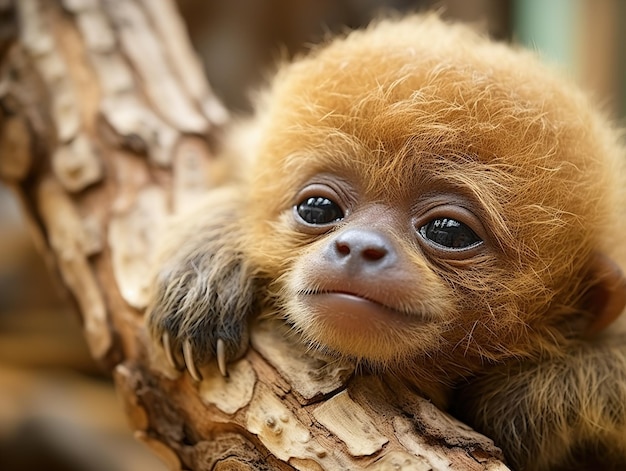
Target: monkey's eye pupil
column 319, row 210
column 449, row 233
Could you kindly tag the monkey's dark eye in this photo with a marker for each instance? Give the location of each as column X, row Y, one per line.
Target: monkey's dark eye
column 449, row 233
column 319, row 210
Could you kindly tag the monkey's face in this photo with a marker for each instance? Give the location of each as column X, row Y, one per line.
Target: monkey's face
column 416, row 201
column 386, row 273
column 386, row 257
column 364, row 285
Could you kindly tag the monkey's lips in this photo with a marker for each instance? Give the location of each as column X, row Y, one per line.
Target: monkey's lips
column 354, row 313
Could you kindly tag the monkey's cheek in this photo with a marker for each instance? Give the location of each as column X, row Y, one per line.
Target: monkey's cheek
column 354, row 326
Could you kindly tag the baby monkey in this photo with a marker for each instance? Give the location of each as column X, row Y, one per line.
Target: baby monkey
column 434, row 205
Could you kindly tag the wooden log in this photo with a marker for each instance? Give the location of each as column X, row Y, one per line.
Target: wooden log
column 106, row 124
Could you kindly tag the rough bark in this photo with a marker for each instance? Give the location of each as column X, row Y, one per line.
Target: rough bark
column 106, row 124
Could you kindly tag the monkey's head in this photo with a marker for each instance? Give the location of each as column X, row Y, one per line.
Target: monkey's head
column 421, row 192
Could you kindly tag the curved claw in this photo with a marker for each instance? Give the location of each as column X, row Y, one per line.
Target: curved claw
column 167, row 347
column 221, row 357
column 191, row 366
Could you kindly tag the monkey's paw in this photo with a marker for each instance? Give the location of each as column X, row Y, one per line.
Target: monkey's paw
column 199, row 313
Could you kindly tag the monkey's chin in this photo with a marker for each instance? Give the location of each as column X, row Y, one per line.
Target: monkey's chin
column 358, row 327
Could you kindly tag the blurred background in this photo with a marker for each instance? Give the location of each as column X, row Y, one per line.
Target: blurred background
column 57, row 410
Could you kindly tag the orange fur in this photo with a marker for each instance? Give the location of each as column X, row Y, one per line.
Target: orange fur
column 415, row 114
column 414, row 103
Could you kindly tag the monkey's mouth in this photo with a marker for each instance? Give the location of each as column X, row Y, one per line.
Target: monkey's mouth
column 360, row 327
column 349, row 311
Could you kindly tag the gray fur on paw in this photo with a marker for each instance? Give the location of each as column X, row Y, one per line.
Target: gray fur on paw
column 200, row 311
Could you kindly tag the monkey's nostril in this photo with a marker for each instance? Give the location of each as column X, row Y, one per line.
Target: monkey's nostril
column 343, row 248
column 374, row 253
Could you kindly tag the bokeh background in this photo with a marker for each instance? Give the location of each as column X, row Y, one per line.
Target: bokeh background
column 58, row 411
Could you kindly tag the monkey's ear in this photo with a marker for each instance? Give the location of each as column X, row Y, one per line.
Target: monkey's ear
column 606, row 299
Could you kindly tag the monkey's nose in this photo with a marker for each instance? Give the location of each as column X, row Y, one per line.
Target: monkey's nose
column 361, row 248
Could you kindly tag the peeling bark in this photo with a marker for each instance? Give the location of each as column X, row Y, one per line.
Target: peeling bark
column 105, row 125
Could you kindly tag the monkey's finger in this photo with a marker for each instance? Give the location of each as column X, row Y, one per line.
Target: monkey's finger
column 167, row 348
column 221, row 357
column 191, row 366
